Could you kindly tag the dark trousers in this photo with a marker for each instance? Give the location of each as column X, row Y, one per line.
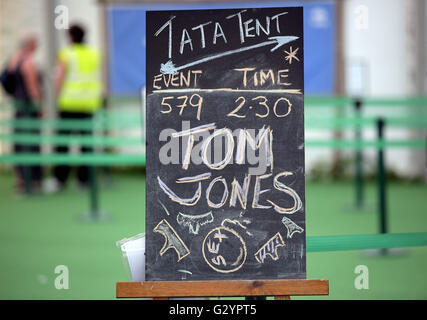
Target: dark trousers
column 27, row 173
column 61, row 172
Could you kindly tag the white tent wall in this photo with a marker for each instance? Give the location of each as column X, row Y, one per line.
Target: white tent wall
column 381, row 41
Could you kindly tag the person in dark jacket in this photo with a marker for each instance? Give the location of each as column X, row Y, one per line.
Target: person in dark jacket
column 27, row 98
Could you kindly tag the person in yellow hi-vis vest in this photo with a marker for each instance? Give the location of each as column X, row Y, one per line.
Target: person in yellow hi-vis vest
column 78, row 85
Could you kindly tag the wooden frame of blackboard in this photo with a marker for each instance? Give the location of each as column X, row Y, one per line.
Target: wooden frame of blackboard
column 280, row 289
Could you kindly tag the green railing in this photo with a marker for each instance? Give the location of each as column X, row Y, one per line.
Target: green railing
column 135, row 122
column 365, row 241
column 117, row 120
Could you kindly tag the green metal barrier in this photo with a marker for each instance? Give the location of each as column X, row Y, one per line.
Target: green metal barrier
column 352, row 122
column 322, row 101
column 128, row 122
column 132, row 119
column 414, row 101
column 349, row 144
column 88, row 159
column 121, row 122
column 309, row 101
column 118, row 118
column 365, row 241
column 347, row 102
column 106, row 141
column 110, row 141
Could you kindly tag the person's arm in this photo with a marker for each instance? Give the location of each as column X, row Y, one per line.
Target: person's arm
column 60, row 75
column 29, row 72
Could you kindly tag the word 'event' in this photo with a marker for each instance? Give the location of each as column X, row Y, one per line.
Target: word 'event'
column 250, row 77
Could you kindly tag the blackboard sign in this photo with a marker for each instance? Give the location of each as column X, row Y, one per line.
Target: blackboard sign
column 225, row 145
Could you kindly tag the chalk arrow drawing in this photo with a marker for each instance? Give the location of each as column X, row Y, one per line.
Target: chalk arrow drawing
column 170, row 68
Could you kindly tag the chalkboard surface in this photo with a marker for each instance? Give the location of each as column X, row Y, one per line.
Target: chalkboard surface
column 225, row 145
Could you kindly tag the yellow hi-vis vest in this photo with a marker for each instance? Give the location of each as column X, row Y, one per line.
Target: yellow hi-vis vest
column 81, row 90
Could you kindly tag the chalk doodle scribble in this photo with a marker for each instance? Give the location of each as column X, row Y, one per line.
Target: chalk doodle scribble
column 270, row 248
column 172, row 240
column 194, row 222
column 292, row 227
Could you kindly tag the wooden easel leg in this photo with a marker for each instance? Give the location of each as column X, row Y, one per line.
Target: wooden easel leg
column 282, row 298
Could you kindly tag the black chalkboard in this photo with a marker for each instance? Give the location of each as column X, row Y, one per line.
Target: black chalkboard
column 225, row 145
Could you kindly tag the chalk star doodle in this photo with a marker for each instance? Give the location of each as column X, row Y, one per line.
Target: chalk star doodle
column 291, row 226
column 270, row 248
column 292, row 54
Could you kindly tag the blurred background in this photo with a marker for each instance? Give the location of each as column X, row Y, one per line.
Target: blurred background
column 72, row 186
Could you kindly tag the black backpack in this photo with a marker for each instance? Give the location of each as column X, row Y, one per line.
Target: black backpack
column 8, row 81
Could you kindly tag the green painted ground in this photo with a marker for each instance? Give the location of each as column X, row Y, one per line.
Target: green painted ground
column 41, row 232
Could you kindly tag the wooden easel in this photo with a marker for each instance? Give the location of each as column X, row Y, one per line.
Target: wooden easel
column 280, row 289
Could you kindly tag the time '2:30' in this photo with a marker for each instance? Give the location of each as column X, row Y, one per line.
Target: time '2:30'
column 281, row 106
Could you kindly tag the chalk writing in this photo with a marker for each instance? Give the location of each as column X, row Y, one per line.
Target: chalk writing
column 224, row 250
column 225, row 144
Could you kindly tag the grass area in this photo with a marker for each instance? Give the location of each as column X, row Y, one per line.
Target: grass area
column 38, row 233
